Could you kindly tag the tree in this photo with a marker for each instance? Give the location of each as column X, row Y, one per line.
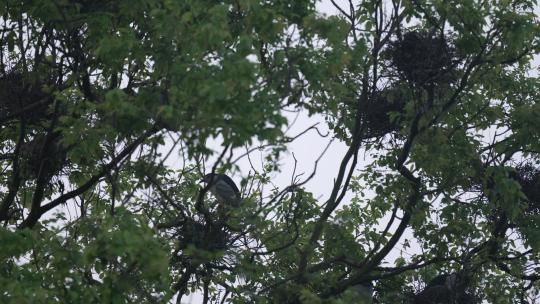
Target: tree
column 108, row 107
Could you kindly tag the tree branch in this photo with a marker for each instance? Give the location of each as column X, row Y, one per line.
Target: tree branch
column 33, row 218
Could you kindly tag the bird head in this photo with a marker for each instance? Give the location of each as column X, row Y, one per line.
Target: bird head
column 223, row 188
column 210, row 177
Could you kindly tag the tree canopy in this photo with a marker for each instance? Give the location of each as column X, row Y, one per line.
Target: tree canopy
column 111, row 111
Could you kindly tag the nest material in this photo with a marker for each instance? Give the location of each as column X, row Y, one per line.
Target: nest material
column 202, row 236
column 22, row 97
column 528, row 176
column 424, row 59
column 50, row 157
column 376, row 115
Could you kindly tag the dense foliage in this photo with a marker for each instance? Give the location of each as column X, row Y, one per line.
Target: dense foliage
column 109, row 110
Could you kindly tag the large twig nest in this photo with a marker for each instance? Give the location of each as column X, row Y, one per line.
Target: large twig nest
column 47, row 156
column 203, row 236
column 377, row 114
column 423, row 58
column 528, row 176
column 22, row 97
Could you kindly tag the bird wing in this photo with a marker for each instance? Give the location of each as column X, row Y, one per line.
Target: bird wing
column 226, row 191
column 231, row 184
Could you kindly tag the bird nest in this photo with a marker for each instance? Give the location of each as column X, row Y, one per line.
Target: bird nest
column 423, row 58
column 49, row 157
column 202, row 236
column 22, row 97
column 376, row 114
column 528, row 176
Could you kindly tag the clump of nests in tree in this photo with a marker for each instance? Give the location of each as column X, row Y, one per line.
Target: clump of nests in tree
column 423, row 58
column 202, row 236
column 22, row 97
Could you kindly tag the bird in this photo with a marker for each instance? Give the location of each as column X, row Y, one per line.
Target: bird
column 223, row 188
column 447, row 288
column 364, row 292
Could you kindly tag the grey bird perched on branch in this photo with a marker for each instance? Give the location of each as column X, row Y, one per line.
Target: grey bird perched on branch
column 364, row 292
column 448, row 288
column 223, row 188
